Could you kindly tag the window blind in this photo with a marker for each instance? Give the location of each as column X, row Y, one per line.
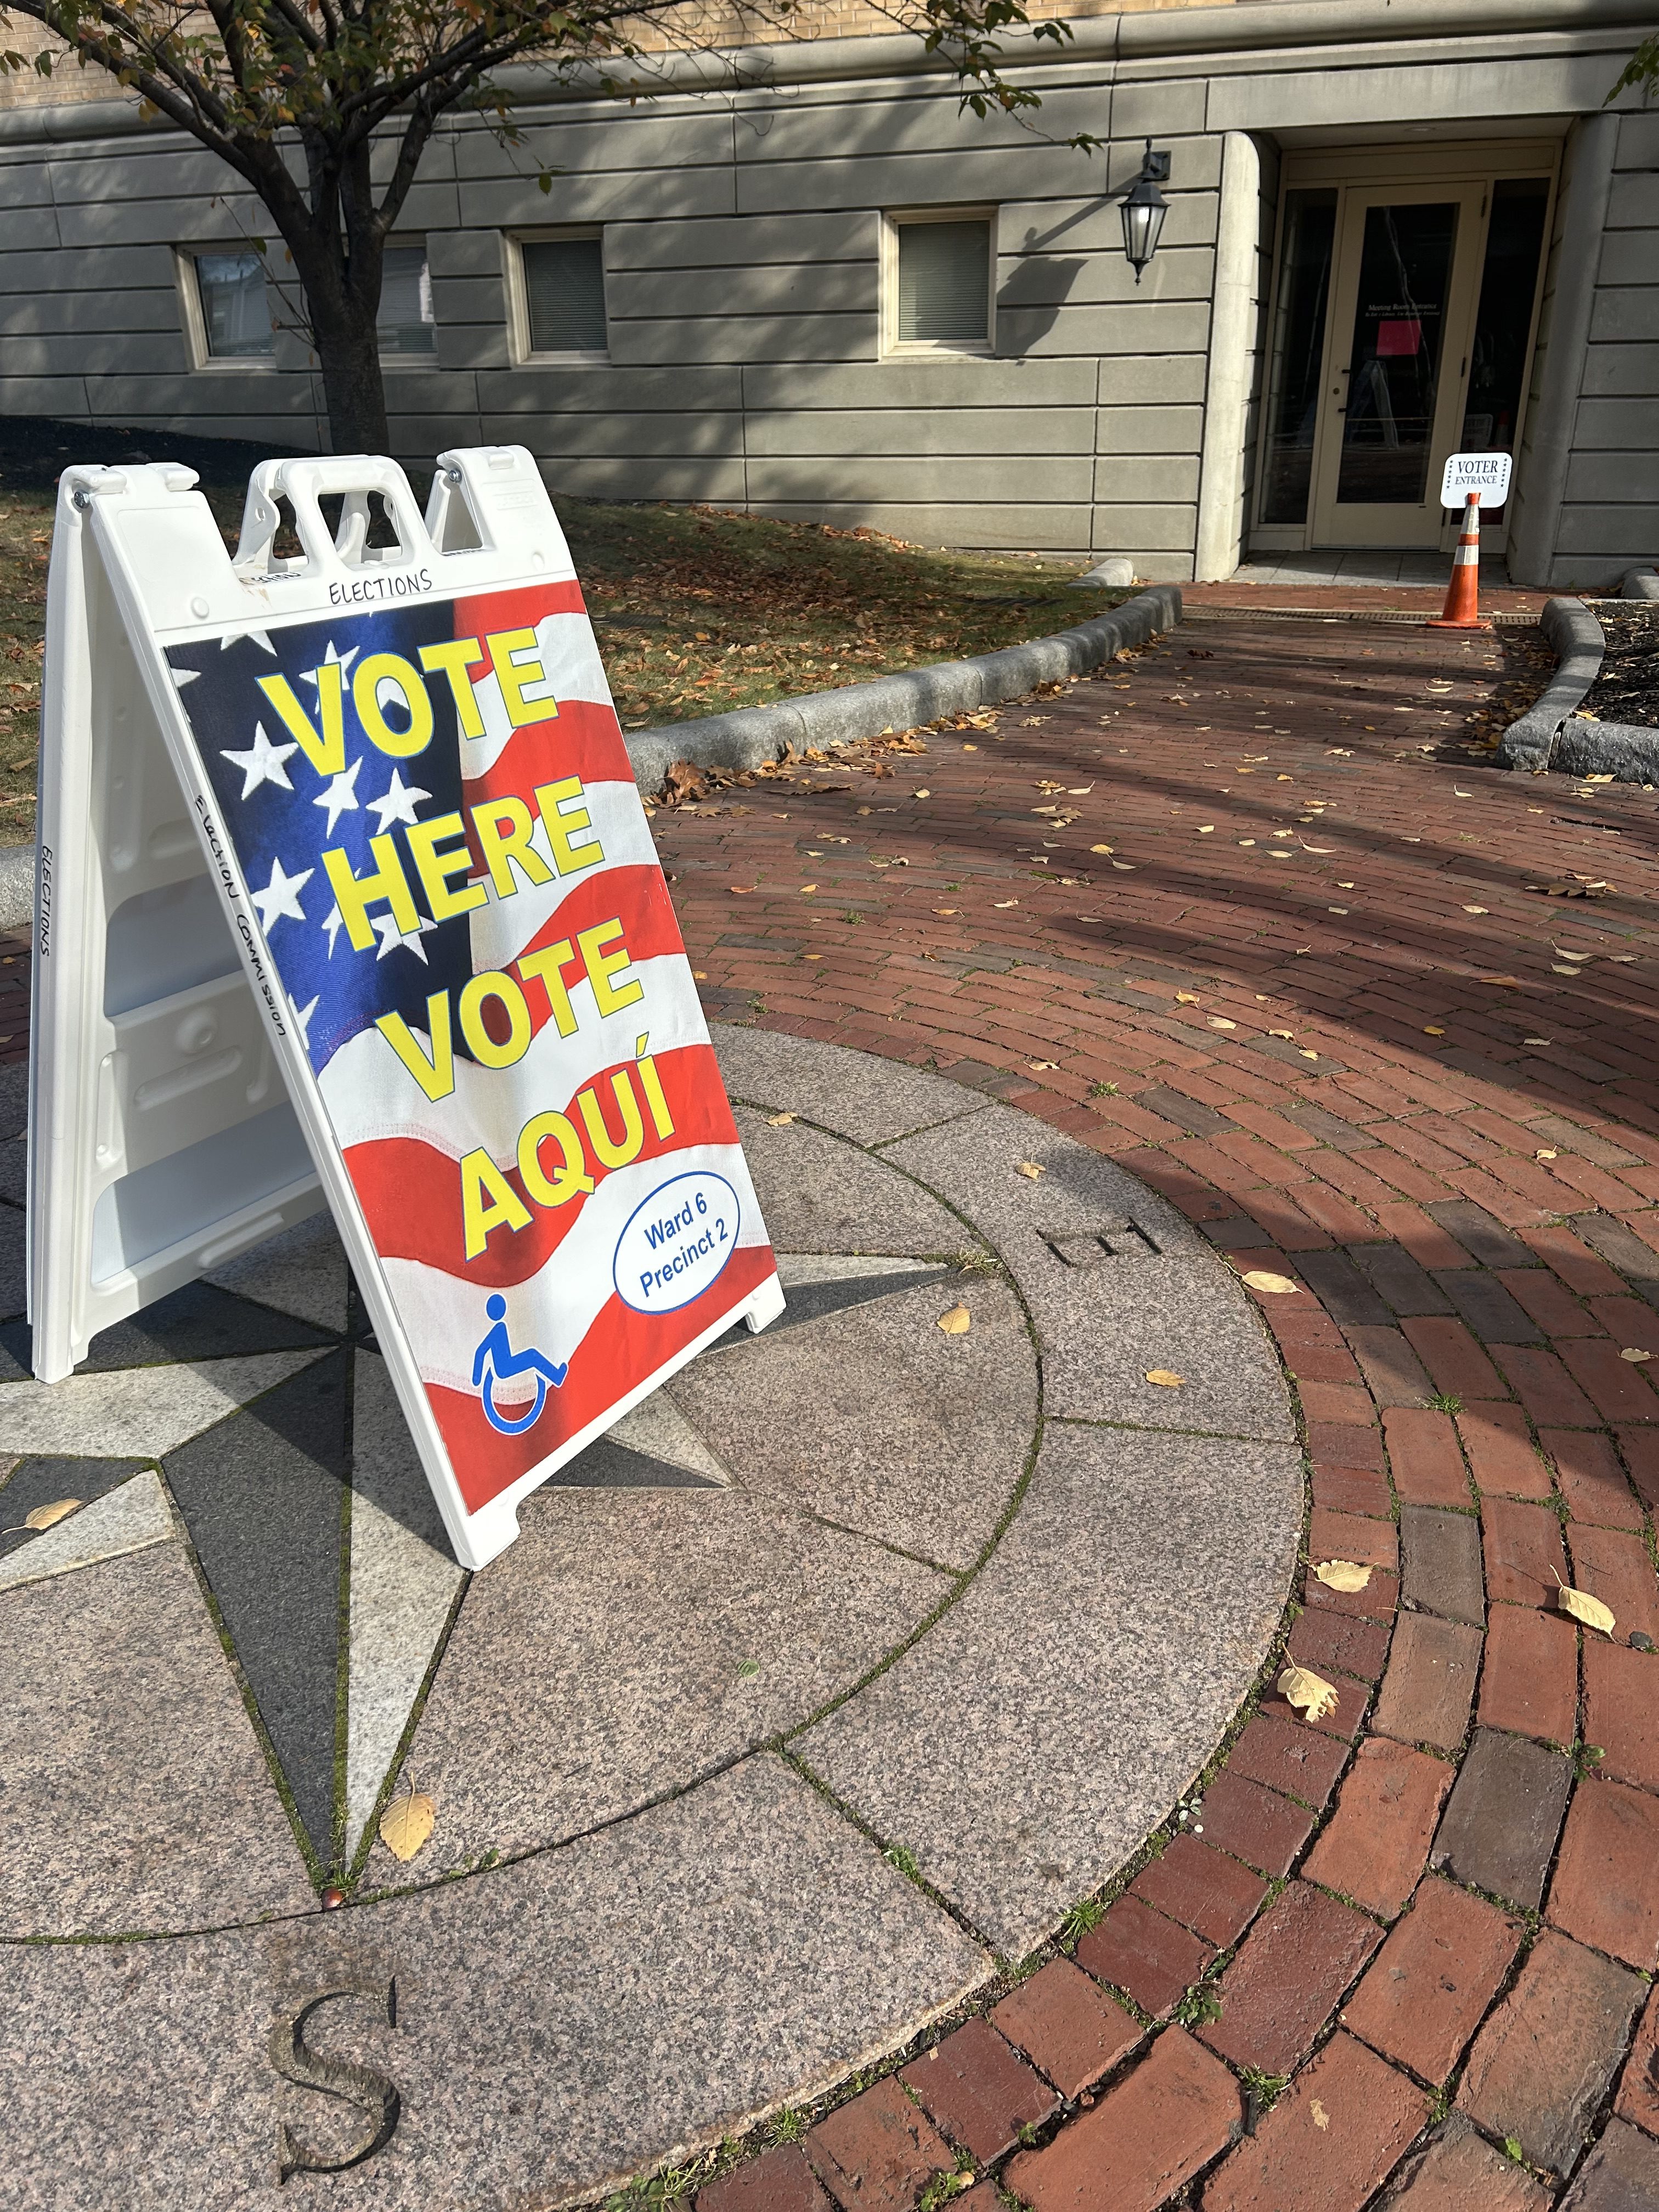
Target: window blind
column 564, row 294
column 406, row 323
column 943, row 282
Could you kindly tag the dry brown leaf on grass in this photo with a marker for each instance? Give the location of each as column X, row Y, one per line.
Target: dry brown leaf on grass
column 407, row 1822
column 1343, row 1574
column 1278, row 1286
column 1166, row 1378
column 956, row 1321
column 1029, row 1168
column 1316, row 1698
column 1582, row 1606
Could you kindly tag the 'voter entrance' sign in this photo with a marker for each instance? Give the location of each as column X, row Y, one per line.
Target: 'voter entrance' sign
column 1486, row 474
column 403, row 769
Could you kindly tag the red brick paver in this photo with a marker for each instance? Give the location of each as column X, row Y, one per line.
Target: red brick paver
column 1455, row 1149
column 1335, row 2134
column 1142, row 2140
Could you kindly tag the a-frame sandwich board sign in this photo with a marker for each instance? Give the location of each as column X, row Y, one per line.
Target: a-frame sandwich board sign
column 347, row 895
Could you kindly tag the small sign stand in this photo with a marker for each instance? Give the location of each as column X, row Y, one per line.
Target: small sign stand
column 1466, row 479
column 346, row 897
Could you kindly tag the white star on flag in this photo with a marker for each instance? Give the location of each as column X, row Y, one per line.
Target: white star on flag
column 345, row 660
column 302, row 1020
column 261, row 762
column 397, row 803
column 340, row 798
column 391, row 937
column 183, row 675
column 281, row 895
column 333, row 922
column 261, row 638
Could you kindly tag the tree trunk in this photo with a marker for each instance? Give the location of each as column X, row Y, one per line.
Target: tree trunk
column 339, row 263
column 348, row 356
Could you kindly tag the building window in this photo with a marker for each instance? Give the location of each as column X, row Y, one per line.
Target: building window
column 406, row 324
column 232, row 313
column 939, row 292
column 558, row 292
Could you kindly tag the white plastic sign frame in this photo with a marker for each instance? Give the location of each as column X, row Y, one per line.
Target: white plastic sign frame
column 1487, row 474
column 469, row 998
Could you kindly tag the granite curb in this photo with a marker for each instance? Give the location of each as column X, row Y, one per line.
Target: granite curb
column 1552, row 735
column 1575, row 638
column 751, row 736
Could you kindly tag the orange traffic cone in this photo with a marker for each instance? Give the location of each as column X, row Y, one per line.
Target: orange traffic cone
column 1462, row 607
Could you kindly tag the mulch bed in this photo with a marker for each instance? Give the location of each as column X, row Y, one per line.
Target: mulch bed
column 1627, row 689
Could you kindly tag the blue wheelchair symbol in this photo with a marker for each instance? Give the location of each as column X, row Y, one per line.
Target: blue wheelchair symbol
column 495, row 1361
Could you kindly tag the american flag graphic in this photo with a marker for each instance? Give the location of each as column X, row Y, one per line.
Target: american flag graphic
column 433, row 810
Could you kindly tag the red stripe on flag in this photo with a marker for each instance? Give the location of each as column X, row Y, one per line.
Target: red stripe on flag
column 635, row 896
column 387, row 1173
column 619, row 1351
column 583, row 740
column 522, row 608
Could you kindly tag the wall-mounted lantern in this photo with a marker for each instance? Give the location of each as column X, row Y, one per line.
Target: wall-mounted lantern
column 1144, row 209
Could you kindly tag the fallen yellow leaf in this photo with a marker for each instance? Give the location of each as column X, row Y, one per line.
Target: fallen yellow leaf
column 1545, row 1156
column 1289, row 1036
column 1166, row 1378
column 956, row 1322
column 1186, row 999
column 1100, row 848
column 1321, row 2117
column 1342, row 1574
column 1316, row 1697
column 1029, row 1168
column 779, row 1121
column 1278, row 1286
column 1220, row 1022
column 1630, row 1352
column 1475, row 909
column 699, row 974
column 1582, row 1606
column 922, row 795
column 406, row 1824
column 44, row 1515
column 1431, row 1029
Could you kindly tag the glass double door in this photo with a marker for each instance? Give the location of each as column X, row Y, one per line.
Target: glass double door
column 1402, row 331
column 1404, row 264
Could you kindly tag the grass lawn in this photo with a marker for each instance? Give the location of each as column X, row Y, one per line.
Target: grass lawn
column 696, row 611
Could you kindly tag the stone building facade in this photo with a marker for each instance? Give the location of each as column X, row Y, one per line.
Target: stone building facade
column 800, row 281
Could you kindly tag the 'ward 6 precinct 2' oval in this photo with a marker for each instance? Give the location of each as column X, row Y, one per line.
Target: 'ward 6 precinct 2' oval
column 676, row 1243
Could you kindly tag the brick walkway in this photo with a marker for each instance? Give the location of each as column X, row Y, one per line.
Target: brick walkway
column 1245, row 913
